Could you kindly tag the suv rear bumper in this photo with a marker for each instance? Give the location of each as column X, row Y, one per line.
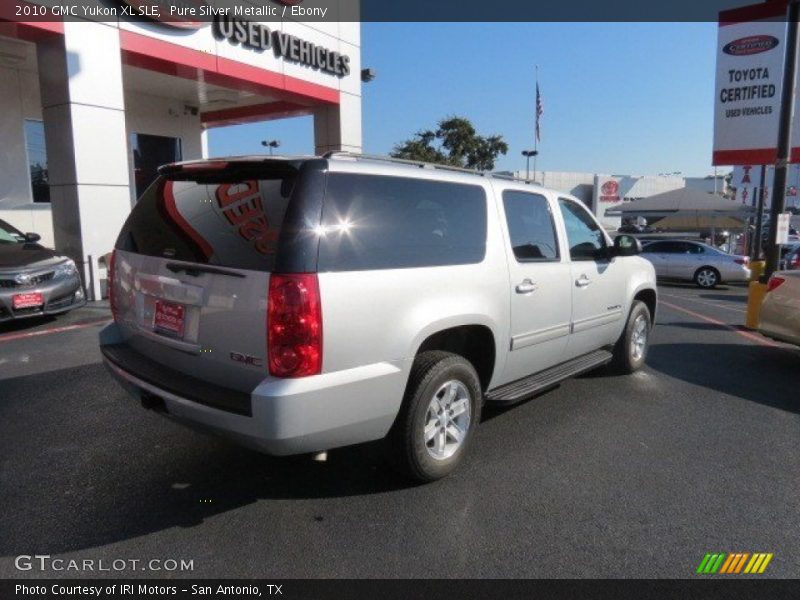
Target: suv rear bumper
column 287, row 416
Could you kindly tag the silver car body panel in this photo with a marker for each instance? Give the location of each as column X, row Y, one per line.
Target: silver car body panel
column 683, row 266
column 374, row 323
column 780, row 313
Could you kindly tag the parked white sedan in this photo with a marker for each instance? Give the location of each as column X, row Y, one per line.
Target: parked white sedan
column 694, row 261
column 780, row 312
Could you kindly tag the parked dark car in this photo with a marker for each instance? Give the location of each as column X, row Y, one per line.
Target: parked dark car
column 790, row 257
column 34, row 280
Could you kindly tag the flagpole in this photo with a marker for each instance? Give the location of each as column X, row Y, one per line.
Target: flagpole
column 536, row 134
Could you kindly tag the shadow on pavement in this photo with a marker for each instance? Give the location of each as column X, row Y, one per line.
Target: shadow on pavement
column 88, row 313
column 730, row 369
column 100, row 469
column 698, row 326
column 725, row 297
column 25, row 324
column 687, row 285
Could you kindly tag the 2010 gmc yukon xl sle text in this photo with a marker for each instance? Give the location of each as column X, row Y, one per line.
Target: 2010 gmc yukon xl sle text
column 299, row 305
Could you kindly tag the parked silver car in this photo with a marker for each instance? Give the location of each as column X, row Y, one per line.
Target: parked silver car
column 780, row 313
column 694, row 261
column 34, row 280
column 299, row 305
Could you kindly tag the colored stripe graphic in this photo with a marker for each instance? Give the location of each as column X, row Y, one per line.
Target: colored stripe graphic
column 710, row 563
column 740, row 564
column 734, row 563
column 727, row 564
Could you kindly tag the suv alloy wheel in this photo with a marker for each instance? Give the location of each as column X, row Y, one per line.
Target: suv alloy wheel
column 440, row 410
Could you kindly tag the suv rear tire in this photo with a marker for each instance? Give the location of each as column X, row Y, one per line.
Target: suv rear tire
column 630, row 350
column 441, row 408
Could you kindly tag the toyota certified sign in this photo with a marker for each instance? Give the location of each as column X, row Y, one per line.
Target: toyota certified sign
column 750, row 49
column 753, row 44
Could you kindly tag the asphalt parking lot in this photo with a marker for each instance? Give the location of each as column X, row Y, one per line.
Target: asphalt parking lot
column 604, row 476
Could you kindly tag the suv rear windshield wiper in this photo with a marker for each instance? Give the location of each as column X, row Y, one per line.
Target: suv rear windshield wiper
column 196, row 270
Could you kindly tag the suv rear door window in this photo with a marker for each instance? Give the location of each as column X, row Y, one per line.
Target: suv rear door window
column 382, row 222
column 530, row 226
column 214, row 219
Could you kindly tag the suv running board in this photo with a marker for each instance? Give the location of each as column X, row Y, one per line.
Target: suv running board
column 528, row 386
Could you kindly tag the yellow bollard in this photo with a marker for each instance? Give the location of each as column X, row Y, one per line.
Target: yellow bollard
column 755, row 297
column 757, row 269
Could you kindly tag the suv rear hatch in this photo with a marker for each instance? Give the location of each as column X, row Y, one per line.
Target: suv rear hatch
column 192, row 270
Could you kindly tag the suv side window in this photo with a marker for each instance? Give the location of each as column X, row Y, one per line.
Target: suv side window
column 530, row 226
column 586, row 239
column 385, row 222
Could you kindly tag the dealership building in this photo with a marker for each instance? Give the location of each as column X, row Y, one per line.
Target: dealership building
column 88, row 110
column 600, row 192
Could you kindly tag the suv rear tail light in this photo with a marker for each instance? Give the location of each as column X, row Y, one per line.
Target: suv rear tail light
column 774, row 282
column 110, row 283
column 294, row 325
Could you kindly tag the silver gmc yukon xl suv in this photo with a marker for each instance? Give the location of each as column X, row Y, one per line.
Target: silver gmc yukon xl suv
column 299, row 305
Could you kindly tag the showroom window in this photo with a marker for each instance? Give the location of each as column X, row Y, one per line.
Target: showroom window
column 37, row 160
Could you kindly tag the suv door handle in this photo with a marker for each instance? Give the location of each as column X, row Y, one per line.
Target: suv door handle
column 583, row 281
column 526, row 287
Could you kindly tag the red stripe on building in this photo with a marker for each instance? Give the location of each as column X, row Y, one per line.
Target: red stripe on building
column 31, row 31
column 253, row 113
column 171, row 59
column 754, row 156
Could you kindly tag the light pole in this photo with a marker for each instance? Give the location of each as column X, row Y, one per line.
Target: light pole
column 527, row 154
column 271, row 144
column 778, row 204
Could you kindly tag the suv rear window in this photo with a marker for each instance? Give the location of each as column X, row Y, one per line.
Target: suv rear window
column 382, row 222
column 213, row 219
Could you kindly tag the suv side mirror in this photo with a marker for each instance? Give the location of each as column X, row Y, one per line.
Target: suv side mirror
column 626, row 245
column 32, row 237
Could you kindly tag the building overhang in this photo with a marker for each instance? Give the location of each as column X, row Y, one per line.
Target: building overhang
column 272, row 95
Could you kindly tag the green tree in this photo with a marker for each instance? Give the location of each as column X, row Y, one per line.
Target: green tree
column 455, row 142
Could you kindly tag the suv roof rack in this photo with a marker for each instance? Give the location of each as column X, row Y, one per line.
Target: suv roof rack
column 421, row 164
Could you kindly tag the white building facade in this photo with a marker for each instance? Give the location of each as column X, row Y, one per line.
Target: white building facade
column 88, row 110
column 600, row 192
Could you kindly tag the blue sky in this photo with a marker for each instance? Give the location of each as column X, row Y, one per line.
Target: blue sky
column 627, row 98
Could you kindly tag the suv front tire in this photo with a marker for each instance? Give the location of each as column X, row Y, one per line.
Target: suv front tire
column 630, row 351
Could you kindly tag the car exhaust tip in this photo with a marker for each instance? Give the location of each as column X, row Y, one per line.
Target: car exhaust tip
column 153, row 402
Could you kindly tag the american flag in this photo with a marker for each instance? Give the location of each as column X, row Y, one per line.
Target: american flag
column 539, row 113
